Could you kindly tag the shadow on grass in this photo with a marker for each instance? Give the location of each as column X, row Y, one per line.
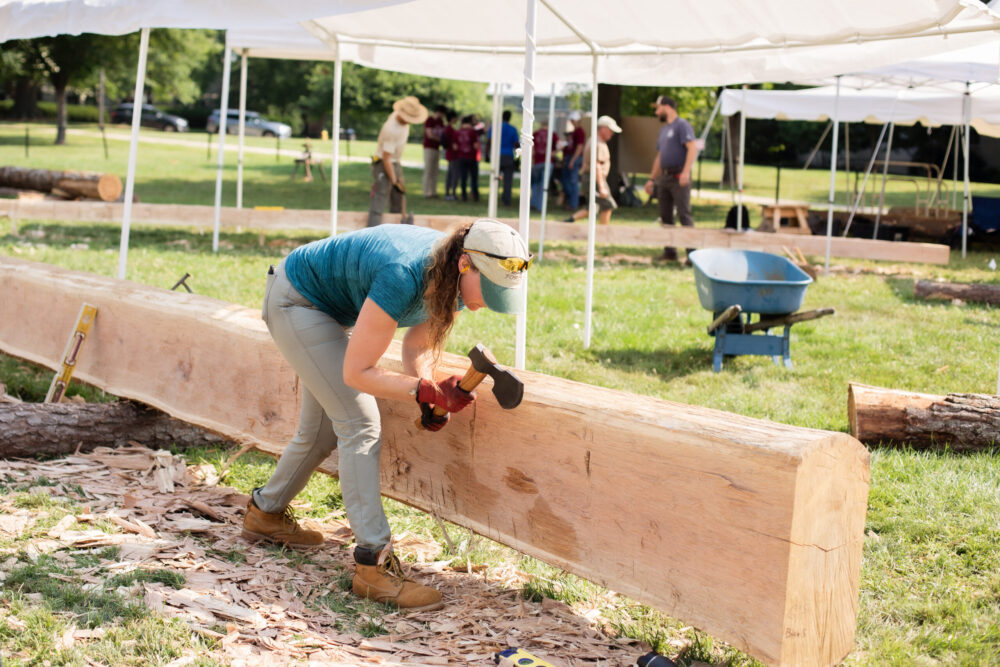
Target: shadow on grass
column 668, row 364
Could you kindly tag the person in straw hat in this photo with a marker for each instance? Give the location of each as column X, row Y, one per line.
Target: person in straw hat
column 333, row 307
column 388, row 185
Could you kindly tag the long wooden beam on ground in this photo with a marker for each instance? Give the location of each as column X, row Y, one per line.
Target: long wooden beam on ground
column 748, row 529
column 651, row 235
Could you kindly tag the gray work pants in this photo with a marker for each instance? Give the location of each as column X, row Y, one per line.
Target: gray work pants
column 333, row 414
column 671, row 194
column 383, row 193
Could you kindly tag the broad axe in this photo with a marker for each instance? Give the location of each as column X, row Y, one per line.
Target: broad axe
column 507, row 387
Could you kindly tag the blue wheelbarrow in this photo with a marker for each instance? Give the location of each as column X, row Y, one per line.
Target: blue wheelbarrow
column 737, row 284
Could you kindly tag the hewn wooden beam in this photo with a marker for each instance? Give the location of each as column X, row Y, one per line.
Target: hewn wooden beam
column 748, row 529
column 643, row 235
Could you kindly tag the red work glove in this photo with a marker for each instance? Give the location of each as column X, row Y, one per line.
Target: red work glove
column 447, row 395
column 429, row 420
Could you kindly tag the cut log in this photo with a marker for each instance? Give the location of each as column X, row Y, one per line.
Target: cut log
column 979, row 292
column 747, row 529
column 957, row 421
column 640, row 235
column 56, row 429
column 95, row 185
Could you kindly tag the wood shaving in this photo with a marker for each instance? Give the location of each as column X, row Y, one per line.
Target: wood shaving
column 269, row 601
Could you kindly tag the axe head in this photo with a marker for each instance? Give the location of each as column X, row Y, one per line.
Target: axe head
column 507, row 387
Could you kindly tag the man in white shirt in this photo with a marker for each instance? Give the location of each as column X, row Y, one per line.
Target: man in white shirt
column 387, row 174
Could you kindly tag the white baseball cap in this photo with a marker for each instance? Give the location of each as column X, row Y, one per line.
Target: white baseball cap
column 608, row 122
column 501, row 256
column 575, row 115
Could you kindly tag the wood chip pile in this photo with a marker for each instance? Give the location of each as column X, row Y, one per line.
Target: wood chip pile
column 170, row 516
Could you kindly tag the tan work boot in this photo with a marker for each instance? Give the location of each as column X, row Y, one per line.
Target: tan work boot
column 278, row 527
column 386, row 582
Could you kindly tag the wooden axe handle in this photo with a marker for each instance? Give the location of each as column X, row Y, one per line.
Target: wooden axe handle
column 469, row 381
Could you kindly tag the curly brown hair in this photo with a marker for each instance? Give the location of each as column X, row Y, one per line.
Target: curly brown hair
column 441, row 297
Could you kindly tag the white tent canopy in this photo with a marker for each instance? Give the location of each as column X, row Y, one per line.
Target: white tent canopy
column 702, row 43
column 901, row 106
column 27, row 19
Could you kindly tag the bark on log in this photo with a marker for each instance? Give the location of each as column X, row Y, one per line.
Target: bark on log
column 981, row 293
column 56, row 429
column 963, row 422
column 95, row 185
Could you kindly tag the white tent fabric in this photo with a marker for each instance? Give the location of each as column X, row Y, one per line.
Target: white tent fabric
column 26, row 19
column 872, row 105
column 703, row 43
column 949, row 71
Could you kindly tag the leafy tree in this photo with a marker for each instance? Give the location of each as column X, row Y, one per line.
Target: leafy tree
column 64, row 59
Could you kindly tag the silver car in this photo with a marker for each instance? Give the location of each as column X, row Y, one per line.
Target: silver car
column 256, row 125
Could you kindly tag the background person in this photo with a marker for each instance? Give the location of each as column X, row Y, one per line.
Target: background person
column 332, row 307
column 676, row 151
column 433, row 134
column 606, row 128
column 467, row 151
column 539, row 139
column 388, row 185
column 509, row 141
column 572, row 160
column 448, row 142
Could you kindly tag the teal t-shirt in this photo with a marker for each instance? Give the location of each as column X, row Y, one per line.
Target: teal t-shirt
column 386, row 264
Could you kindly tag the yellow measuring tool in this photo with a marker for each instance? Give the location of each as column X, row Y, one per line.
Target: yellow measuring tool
column 72, row 353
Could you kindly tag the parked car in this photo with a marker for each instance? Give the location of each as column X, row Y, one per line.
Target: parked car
column 151, row 117
column 256, row 125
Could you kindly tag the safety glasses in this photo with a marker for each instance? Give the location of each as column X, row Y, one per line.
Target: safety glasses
column 509, row 264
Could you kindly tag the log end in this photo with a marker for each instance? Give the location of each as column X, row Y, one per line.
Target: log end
column 109, row 187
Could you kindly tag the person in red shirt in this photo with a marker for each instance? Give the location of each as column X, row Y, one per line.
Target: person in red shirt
column 573, row 160
column 448, row 138
column 467, row 151
column 433, row 128
column 540, row 137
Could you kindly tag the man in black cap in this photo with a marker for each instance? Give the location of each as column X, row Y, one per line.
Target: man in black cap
column 676, row 150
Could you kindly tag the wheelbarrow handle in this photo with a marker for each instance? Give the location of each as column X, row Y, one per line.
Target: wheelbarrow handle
column 790, row 319
column 728, row 315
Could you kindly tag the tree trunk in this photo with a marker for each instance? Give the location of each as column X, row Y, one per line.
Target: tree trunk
column 56, row 429
column 25, row 99
column 961, row 421
column 60, row 113
column 966, row 292
column 609, row 103
column 730, row 177
column 106, row 187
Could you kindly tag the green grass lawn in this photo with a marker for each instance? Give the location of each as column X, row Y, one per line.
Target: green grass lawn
column 930, row 591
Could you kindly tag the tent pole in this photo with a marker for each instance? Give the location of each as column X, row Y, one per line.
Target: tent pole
column 743, row 144
column 847, row 161
column 937, row 199
column 591, row 215
column 548, row 168
column 704, row 137
column 833, row 175
column 818, row 144
column 495, row 133
column 335, row 136
column 527, row 124
column 223, row 117
column 243, row 113
column 954, row 172
column 885, row 177
column 140, row 83
column 965, row 158
column 864, row 181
